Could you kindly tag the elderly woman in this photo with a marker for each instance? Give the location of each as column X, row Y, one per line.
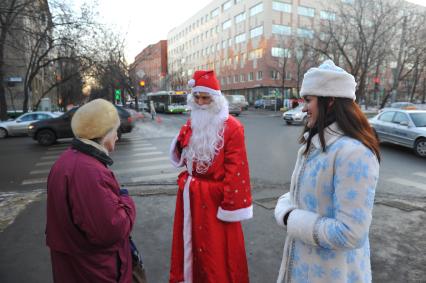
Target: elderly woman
column 89, row 219
column 328, row 211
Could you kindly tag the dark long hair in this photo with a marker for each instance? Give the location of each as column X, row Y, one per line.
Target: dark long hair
column 350, row 119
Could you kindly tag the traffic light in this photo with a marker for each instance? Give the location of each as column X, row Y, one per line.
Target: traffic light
column 117, row 94
column 142, row 83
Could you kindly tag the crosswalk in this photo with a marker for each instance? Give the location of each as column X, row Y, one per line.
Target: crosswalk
column 136, row 160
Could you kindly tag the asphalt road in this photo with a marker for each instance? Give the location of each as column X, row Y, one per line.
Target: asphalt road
column 397, row 234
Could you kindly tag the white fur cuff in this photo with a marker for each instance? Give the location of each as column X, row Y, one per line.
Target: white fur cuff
column 235, row 215
column 283, row 207
column 300, row 225
column 174, row 159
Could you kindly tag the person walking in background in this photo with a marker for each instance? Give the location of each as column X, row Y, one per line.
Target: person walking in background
column 152, row 109
column 214, row 192
column 89, row 218
column 328, row 211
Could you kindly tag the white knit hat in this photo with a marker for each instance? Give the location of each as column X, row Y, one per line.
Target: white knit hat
column 95, row 119
column 328, row 80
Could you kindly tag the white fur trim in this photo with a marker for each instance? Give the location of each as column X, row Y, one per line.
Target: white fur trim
column 235, row 215
column 206, row 89
column 174, row 159
column 328, row 80
column 283, row 206
column 187, row 234
column 191, row 83
column 301, row 224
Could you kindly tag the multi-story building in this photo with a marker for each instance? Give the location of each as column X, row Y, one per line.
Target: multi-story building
column 150, row 65
column 249, row 43
column 19, row 55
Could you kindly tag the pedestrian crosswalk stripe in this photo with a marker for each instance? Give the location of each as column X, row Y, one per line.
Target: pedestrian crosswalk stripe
column 39, row 171
column 421, row 174
column 409, row 183
column 155, row 177
column 141, row 148
column 143, row 168
column 47, row 163
column 53, row 153
column 145, row 160
column 57, row 148
column 147, row 153
column 127, row 156
column 49, row 157
column 34, row 181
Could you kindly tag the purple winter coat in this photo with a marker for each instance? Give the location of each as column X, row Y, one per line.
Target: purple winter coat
column 88, row 222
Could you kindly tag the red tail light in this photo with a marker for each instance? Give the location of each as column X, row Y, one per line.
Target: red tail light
column 130, row 119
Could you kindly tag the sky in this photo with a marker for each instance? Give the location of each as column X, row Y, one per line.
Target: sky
column 145, row 22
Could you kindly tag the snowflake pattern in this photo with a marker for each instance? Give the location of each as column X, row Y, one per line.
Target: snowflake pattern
column 350, row 256
column 351, row 194
column 311, row 202
column 336, row 273
column 358, row 215
column 358, row 170
column 301, row 272
column 352, row 277
column 318, row 271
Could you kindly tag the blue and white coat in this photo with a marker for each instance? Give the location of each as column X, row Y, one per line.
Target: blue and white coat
column 331, row 197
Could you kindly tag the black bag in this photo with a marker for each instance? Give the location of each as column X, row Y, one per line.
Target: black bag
column 138, row 274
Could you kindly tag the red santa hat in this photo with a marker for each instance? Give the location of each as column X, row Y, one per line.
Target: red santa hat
column 205, row 81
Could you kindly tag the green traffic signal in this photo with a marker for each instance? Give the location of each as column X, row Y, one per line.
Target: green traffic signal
column 117, row 94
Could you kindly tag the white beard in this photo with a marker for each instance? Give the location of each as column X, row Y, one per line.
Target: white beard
column 208, row 125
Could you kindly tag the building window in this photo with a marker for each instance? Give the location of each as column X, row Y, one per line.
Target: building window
column 238, row 1
column 274, row 75
column 242, row 78
column 214, row 13
column 256, row 9
column 217, row 29
column 348, row 1
column 217, row 46
column 304, row 32
column 259, row 75
column 226, row 24
column 230, row 42
column 226, row 5
column 306, row 11
column 236, row 59
column 326, row 15
column 256, row 54
column 281, row 7
column 236, row 78
column 251, row 76
column 240, row 38
column 256, row 31
column 281, row 29
column 288, row 76
column 280, row 52
column 224, row 44
column 240, row 17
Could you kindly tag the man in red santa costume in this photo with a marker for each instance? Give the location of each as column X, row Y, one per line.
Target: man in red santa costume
column 214, row 192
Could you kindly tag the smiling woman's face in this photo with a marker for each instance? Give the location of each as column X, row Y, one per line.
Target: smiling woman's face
column 311, row 107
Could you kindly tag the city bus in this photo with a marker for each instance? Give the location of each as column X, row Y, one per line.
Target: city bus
column 168, row 101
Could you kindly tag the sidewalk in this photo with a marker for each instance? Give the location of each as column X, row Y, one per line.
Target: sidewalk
column 397, row 238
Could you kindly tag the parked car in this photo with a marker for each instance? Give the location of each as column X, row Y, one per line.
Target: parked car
column 402, row 127
column 18, row 127
column 295, row 116
column 234, row 107
column 238, row 100
column 46, row 132
column 260, row 103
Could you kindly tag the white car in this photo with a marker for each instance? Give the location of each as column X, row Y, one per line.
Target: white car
column 19, row 126
column 295, row 116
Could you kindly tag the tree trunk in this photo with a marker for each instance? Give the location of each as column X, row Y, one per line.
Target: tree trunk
column 3, row 104
column 415, row 81
column 424, row 91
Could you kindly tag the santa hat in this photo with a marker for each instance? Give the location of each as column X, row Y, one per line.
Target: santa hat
column 328, row 80
column 95, row 119
column 205, row 81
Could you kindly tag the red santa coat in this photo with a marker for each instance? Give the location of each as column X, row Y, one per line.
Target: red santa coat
column 208, row 241
column 88, row 222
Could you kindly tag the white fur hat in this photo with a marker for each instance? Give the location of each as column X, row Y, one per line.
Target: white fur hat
column 95, row 119
column 328, row 80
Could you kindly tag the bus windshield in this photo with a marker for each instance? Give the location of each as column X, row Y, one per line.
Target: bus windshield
column 179, row 99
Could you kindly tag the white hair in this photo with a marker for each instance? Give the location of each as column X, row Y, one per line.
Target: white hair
column 208, row 125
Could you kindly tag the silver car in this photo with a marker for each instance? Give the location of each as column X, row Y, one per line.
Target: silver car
column 402, row 127
column 19, row 126
column 295, row 116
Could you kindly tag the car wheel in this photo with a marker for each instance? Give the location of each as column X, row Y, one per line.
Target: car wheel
column 288, row 122
column 46, row 137
column 3, row 133
column 420, row 147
